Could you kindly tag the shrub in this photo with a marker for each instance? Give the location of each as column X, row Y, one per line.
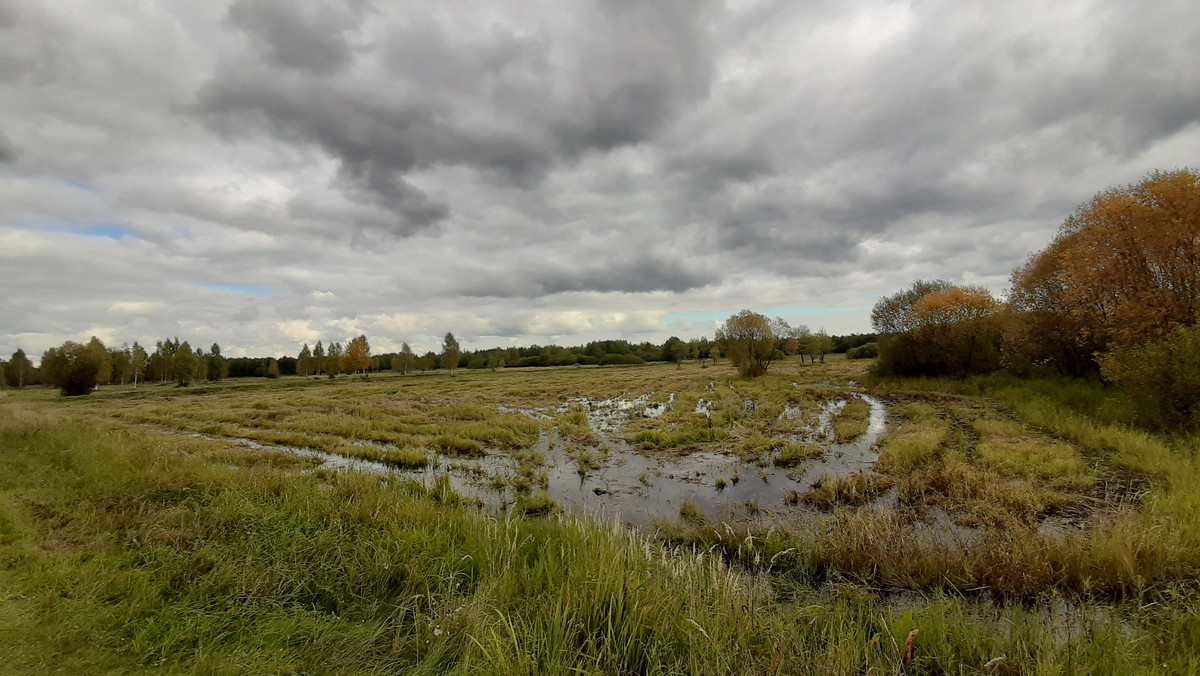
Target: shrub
column 1162, row 376
column 866, row 351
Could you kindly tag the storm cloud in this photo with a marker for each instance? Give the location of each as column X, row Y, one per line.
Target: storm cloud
column 261, row 173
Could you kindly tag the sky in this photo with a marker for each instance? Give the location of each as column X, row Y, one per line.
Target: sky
column 264, row 173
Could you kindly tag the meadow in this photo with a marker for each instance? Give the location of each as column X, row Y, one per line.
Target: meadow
column 651, row 519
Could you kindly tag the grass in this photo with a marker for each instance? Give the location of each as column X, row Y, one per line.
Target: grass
column 791, row 455
column 123, row 549
column 855, row 489
column 851, row 422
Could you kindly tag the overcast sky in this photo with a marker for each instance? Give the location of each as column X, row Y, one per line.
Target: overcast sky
column 263, row 173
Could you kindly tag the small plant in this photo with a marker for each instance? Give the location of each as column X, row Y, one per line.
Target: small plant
column 720, row 484
column 537, row 505
column 690, row 513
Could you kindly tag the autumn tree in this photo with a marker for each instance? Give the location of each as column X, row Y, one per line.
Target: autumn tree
column 750, row 341
column 450, row 353
column 358, row 354
column 1124, row 269
column 273, row 369
column 948, row 331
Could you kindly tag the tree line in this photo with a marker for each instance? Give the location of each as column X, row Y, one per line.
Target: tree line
column 79, row 368
column 1115, row 296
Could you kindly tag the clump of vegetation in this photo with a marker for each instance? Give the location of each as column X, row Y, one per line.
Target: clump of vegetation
column 537, row 505
column 791, row 455
column 689, row 512
column 586, row 458
column 458, row 447
column 1163, row 376
column 687, row 434
column 852, row 421
column 855, row 489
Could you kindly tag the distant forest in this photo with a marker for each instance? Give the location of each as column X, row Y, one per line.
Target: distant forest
column 79, row 367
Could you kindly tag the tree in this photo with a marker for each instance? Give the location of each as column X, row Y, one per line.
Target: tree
column 217, row 366
column 74, row 368
column 1163, row 377
column 304, row 362
column 121, row 365
column 403, row 362
column 674, row 350
column 892, row 314
column 273, row 369
column 820, row 345
column 749, row 340
column 358, row 354
column 450, row 353
column 99, row 354
column 138, row 360
column 1124, row 269
column 184, row 367
column 948, row 331
column 20, row 370
column 335, row 359
column 318, row 359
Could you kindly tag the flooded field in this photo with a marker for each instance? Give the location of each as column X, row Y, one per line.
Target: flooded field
column 613, row 478
column 805, row 448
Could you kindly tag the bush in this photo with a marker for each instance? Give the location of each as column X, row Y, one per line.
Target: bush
column 865, row 351
column 1162, row 376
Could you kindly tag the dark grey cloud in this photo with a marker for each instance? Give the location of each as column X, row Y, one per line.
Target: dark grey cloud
column 309, row 35
column 510, row 105
column 629, row 272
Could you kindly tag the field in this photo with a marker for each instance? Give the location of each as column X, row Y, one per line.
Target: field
column 647, row 519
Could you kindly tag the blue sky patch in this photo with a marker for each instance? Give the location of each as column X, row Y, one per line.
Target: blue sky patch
column 110, row 230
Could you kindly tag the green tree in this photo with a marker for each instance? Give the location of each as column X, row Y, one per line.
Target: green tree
column 749, row 340
column 184, row 367
column 99, row 354
column 138, row 361
column 674, row 350
column 73, row 367
column 403, row 362
column 450, row 353
column 821, row 345
column 218, row 366
column 304, row 362
column 20, row 370
column 319, row 359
